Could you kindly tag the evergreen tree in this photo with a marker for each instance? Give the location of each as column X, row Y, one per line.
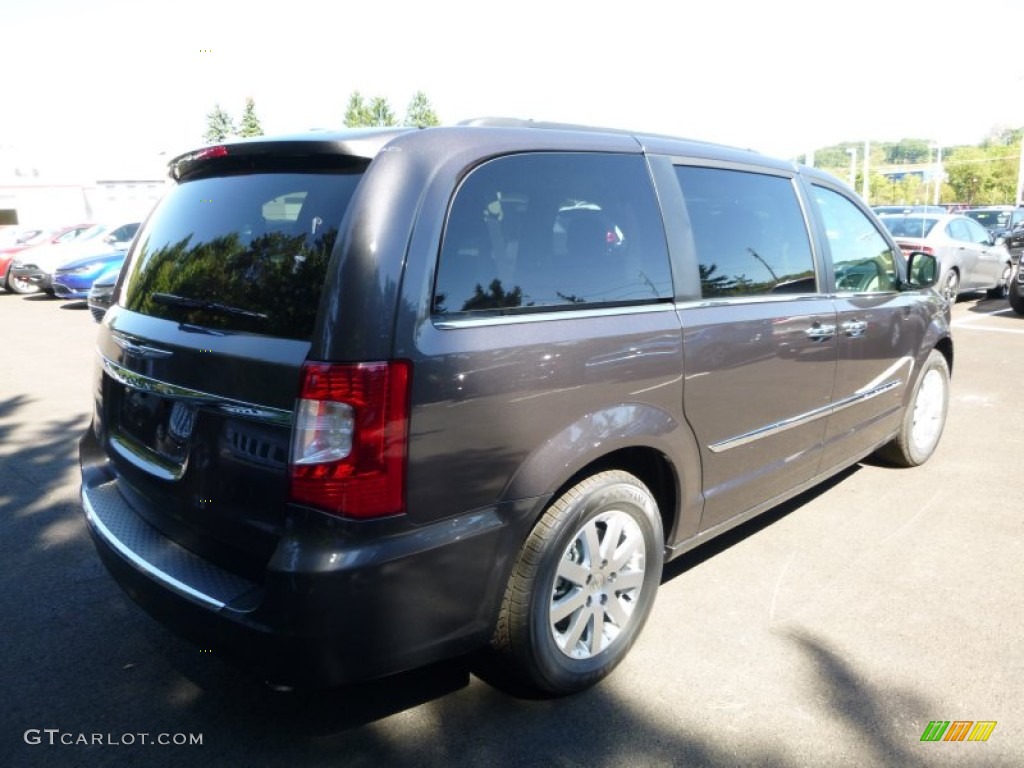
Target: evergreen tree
column 250, row 123
column 219, row 126
column 357, row 115
column 380, row 113
column 420, row 114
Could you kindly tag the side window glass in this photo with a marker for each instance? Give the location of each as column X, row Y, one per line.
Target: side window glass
column 976, row 233
column 861, row 257
column 958, row 230
column 749, row 233
column 546, row 231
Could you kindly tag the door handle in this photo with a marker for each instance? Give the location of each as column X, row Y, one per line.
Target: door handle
column 819, row 332
column 854, row 328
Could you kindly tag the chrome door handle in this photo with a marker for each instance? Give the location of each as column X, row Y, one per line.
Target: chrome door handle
column 818, row 332
column 854, row 328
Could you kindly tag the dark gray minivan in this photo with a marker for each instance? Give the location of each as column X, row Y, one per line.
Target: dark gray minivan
column 371, row 399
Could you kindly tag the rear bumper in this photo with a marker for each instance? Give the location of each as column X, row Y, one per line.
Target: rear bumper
column 331, row 609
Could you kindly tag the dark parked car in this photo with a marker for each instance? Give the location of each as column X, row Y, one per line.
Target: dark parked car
column 1005, row 223
column 101, row 294
column 403, row 394
column 1016, row 291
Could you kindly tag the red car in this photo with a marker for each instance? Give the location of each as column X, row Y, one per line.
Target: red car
column 41, row 237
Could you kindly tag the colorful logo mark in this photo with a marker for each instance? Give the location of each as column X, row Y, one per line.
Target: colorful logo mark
column 958, row 730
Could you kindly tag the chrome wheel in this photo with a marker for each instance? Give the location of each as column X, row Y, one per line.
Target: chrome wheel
column 21, row 285
column 583, row 584
column 924, row 417
column 929, row 412
column 597, row 585
column 1002, row 289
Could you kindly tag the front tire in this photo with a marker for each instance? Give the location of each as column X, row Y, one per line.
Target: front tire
column 949, row 286
column 583, row 584
column 1017, row 301
column 924, row 417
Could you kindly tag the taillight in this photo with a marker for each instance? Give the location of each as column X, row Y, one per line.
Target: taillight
column 917, row 247
column 350, row 437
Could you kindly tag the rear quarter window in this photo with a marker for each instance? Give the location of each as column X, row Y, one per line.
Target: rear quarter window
column 542, row 232
column 245, row 252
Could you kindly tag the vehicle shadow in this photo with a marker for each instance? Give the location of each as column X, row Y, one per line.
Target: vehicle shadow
column 986, row 306
column 442, row 716
column 724, row 541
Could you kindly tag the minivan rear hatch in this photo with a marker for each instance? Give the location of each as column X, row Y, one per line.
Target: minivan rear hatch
column 200, row 361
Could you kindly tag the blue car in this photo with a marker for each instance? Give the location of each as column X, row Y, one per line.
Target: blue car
column 74, row 279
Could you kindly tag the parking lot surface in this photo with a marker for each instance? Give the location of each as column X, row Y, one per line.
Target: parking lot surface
column 831, row 631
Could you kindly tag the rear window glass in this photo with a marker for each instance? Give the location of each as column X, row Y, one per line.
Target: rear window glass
column 242, row 253
column 541, row 232
column 909, row 226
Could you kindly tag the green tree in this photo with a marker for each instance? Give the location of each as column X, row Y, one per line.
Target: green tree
column 357, row 114
column 982, row 175
column 419, row 113
column 219, row 126
column 250, row 123
column 381, row 114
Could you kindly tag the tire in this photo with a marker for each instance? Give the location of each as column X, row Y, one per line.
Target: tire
column 924, row 417
column 1002, row 289
column 571, row 611
column 18, row 285
column 949, row 285
column 1017, row 302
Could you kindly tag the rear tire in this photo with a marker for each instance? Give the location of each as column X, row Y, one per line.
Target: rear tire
column 924, row 417
column 582, row 585
column 1002, row 290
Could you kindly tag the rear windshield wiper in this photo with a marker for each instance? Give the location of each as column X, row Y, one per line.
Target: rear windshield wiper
column 172, row 300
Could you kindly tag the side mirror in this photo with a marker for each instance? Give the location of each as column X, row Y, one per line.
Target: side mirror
column 922, row 270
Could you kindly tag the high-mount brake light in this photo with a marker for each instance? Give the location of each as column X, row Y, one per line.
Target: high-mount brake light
column 350, row 438
column 207, row 153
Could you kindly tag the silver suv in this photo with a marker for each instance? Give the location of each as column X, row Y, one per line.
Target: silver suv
column 368, row 400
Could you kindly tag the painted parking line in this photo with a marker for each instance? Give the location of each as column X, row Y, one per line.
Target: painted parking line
column 982, row 316
column 991, row 328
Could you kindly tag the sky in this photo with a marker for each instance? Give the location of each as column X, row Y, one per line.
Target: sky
column 96, row 82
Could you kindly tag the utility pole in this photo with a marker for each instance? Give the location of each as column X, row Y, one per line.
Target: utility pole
column 1020, row 175
column 864, row 186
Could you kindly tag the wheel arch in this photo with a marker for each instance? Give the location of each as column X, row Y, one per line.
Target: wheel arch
column 641, row 439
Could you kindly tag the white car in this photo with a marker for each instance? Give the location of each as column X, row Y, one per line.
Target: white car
column 969, row 259
column 32, row 270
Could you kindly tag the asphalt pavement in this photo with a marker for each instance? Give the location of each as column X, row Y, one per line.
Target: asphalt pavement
column 831, row 631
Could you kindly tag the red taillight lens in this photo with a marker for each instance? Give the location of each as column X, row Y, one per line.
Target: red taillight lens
column 350, row 438
column 915, row 247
